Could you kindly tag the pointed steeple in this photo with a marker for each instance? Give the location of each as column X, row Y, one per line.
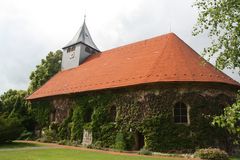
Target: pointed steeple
column 82, row 36
column 78, row 49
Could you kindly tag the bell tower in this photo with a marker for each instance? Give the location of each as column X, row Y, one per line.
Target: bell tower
column 78, row 49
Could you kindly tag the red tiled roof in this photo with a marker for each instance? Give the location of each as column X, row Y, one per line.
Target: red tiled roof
column 164, row 58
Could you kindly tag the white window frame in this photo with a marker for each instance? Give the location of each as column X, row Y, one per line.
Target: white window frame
column 188, row 111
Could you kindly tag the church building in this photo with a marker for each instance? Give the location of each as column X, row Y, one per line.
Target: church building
column 156, row 93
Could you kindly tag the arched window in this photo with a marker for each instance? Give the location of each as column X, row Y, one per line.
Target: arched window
column 180, row 113
column 88, row 114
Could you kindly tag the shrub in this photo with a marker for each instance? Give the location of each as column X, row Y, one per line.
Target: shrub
column 91, row 146
column 108, row 135
column 144, row 151
column 75, row 143
column 98, row 145
column 211, row 154
column 10, row 129
column 48, row 135
column 62, row 142
column 26, row 135
column 120, row 142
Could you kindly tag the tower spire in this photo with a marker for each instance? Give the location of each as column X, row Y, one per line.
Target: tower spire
column 82, row 36
column 79, row 48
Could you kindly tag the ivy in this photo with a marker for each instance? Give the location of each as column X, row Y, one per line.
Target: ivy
column 79, row 111
column 64, row 129
column 149, row 114
column 41, row 111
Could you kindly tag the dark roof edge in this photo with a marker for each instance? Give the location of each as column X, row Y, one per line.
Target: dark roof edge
column 134, row 85
column 81, row 43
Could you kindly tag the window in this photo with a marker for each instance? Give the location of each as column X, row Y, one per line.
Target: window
column 180, row 113
column 88, row 114
column 70, row 49
column 89, row 50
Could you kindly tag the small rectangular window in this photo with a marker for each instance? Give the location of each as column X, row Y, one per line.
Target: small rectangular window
column 70, row 49
column 180, row 113
column 87, row 49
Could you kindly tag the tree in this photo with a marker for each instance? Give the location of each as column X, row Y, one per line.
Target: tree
column 43, row 72
column 10, row 129
column 48, row 67
column 230, row 119
column 14, row 105
column 221, row 18
column 13, row 102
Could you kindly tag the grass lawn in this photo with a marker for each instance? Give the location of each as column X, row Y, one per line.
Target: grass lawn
column 65, row 154
column 26, row 151
column 17, row 145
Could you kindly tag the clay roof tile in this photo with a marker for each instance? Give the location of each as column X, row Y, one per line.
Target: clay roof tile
column 164, row 58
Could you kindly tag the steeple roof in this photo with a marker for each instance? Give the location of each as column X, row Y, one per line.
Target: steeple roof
column 161, row 59
column 82, row 36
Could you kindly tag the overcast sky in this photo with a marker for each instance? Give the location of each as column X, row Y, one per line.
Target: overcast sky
column 29, row 29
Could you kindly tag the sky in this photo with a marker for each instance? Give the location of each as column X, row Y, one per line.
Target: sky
column 30, row 29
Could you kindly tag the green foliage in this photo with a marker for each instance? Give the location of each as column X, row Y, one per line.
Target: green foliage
column 26, row 135
column 10, row 129
column 82, row 111
column 98, row 145
column 144, row 151
column 64, row 129
column 108, row 134
column 41, row 112
column 120, row 143
column 153, row 117
column 91, row 112
column 48, row 135
column 44, row 71
column 101, row 115
column 221, row 19
column 162, row 134
column 211, row 154
column 88, row 126
column 77, row 123
column 230, row 119
column 13, row 102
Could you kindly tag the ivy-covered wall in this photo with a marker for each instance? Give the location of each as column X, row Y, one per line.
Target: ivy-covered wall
column 125, row 118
